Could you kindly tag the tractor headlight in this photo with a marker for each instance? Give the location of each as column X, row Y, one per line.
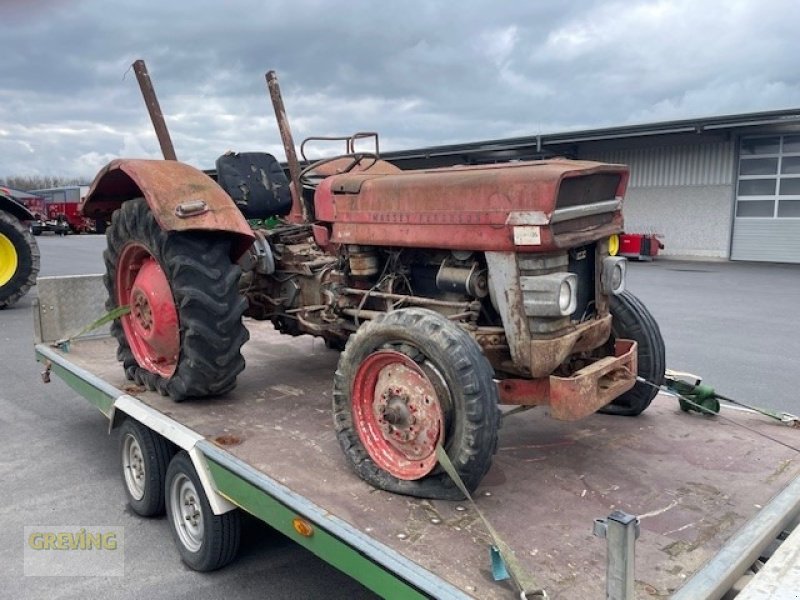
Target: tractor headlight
column 552, row 295
column 566, row 297
column 613, row 276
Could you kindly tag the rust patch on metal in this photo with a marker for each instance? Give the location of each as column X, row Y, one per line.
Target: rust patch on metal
column 154, row 110
column 415, row 208
column 594, row 386
column 166, row 186
column 547, row 354
column 528, row 392
column 581, row 394
column 368, row 165
column 227, row 440
column 299, row 211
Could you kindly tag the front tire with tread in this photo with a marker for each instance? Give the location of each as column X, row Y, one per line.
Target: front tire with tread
column 631, row 320
column 472, row 420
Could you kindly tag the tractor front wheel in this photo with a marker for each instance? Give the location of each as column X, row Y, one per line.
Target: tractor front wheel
column 631, row 320
column 184, row 333
column 406, row 382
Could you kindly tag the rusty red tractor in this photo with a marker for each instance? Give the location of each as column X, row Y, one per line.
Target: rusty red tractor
column 450, row 291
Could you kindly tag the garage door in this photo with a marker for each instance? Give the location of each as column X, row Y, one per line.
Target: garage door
column 767, row 220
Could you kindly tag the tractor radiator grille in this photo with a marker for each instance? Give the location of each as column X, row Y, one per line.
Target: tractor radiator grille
column 587, row 189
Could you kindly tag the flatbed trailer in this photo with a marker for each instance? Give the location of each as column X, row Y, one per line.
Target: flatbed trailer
column 711, row 494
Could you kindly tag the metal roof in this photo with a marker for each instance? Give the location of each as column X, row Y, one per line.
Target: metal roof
column 540, row 141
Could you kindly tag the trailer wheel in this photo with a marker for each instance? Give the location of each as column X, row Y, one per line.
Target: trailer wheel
column 144, row 455
column 19, row 259
column 631, row 320
column 184, row 334
column 205, row 541
column 406, row 381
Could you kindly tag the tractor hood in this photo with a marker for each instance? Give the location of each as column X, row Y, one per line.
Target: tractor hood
column 541, row 205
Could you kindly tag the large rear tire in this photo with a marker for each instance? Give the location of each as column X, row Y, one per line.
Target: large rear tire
column 631, row 320
column 184, row 333
column 406, row 381
column 19, row 259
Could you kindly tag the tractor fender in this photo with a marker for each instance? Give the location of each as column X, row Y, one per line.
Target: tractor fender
column 181, row 198
column 9, row 205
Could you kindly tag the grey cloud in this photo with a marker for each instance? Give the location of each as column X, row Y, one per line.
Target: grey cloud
column 421, row 73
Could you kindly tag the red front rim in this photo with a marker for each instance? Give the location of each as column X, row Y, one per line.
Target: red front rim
column 151, row 327
column 397, row 414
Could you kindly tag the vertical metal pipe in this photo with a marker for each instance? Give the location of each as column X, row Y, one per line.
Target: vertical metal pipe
column 154, row 109
column 620, row 531
column 298, row 207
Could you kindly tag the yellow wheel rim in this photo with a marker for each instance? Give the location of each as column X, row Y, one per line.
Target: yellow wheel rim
column 8, row 260
column 613, row 244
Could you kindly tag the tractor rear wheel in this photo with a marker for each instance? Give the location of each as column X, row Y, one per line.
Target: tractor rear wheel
column 407, row 381
column 631, row 320
column 184, row 333
column 19, row 259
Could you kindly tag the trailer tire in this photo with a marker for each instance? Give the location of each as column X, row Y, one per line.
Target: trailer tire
column 144, row 456
column 631, row 320
column 433, row 354
column 205, row 541
column 19, row 259
column 207, row 333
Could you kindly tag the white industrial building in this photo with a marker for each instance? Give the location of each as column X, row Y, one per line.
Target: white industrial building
column 719, row 187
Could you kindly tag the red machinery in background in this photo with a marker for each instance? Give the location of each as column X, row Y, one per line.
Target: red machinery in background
column 59, row 210
column 640, row 246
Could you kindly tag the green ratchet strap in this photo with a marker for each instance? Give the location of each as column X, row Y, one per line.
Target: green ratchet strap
column 704, row 399
column 690, row 397
column 504, row 563
column 63, row 344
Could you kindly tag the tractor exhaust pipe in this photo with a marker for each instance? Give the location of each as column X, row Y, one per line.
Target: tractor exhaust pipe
column 156, row 116
column 299, row 213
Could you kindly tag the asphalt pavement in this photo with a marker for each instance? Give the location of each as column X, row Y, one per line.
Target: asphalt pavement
column 733, row 323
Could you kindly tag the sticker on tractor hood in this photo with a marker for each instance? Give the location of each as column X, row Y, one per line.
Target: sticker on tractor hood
column 530, row 235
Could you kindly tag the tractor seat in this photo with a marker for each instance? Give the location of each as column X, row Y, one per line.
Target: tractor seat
column 256, row 183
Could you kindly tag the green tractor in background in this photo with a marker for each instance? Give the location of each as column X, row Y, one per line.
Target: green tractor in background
column 19, row 254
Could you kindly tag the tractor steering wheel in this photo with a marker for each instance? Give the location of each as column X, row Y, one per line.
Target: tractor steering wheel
column 356, row 160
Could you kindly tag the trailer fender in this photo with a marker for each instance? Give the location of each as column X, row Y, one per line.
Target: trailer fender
column 126, row 406
column 181, row 197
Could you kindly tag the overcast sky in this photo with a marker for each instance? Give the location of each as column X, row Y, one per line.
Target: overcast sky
column 421, row 73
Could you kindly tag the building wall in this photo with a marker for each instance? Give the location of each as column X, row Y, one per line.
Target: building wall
column 680, row 188
column 693, row 220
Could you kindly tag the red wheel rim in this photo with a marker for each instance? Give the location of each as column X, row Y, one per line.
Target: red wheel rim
column 151, row 327
column 397, row 414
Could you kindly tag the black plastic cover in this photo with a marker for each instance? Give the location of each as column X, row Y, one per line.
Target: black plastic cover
column 256, row 182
